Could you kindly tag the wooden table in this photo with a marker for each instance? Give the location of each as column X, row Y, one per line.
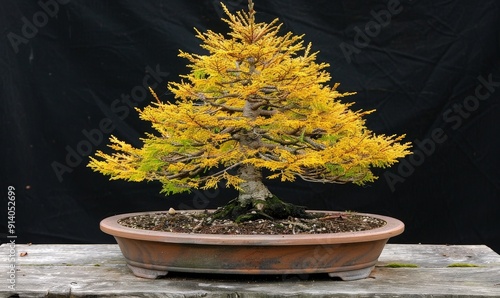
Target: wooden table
column 100, row 270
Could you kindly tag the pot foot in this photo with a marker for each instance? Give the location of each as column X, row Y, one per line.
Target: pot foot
column 147, row 273
column 353, row 274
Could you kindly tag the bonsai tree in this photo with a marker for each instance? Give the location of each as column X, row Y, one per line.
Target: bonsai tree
column 256, row 102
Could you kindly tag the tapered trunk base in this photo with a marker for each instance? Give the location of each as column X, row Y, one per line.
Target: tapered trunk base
column 253, row 209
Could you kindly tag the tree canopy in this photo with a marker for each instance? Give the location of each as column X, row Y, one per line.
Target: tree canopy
column 257, row 98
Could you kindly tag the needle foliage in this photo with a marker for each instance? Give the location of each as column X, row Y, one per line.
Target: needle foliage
column 258, row 100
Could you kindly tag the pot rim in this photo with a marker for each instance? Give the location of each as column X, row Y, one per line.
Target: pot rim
column 393, row 227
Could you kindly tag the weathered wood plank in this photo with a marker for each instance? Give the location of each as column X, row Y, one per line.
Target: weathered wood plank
column 116, row 281
column 439, row 256
column 68, row 254
column 100, row 271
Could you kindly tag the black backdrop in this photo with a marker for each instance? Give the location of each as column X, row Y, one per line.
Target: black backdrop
column 72, row 71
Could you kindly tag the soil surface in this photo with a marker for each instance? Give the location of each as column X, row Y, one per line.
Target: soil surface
column 202, row 223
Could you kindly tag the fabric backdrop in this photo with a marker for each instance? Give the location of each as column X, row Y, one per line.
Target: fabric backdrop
column 72, row 73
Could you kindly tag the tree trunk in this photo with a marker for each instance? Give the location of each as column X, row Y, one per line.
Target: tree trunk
column 255, row 201
column 252, row 190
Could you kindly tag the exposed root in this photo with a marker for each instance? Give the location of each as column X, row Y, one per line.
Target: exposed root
column 271, row 208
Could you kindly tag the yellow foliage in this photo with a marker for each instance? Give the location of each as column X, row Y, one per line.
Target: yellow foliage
column 257, row 98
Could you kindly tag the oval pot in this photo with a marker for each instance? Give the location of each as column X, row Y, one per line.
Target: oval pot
column 349, row 256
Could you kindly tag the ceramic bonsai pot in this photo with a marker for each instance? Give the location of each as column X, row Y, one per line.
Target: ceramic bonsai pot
column 349, row 256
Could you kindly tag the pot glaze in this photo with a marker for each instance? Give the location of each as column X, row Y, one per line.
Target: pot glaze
column 349, row 256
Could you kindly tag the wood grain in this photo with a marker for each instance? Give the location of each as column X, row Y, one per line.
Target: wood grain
column 100, row 271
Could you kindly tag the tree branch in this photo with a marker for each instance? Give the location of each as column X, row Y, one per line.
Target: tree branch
column 203, row 179
column 211, row 101
column 266, row 112
column 314, row 144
